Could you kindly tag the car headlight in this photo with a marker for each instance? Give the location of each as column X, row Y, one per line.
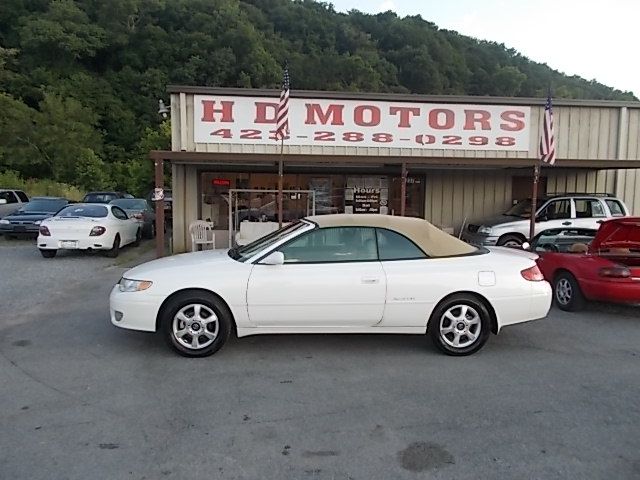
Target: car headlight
column 129, row 285
column 484, row 230
column 4, row 222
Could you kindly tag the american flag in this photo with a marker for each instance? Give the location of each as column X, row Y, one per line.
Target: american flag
column 282, row 125
column 547, row 140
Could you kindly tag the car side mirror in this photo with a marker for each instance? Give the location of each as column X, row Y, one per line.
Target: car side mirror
column 3, row 201
column 274, row 258
column 526, row 246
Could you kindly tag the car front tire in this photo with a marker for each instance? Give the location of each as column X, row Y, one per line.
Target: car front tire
column 567, row 293
column 513, row 241
column 196, row 324
column 460, row 325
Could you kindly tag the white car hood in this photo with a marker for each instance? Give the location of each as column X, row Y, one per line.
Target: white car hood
column 203, row 259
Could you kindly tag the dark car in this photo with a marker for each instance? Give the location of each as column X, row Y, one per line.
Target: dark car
column 26, row 220
column 139, row 208
column 104, row 197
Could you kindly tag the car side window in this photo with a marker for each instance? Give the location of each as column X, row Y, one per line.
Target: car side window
column 557, row 209
column 9, row 197
column 331, row 245
column 22, row 196
column 119, row 213
column 393, row 246
column 615, row 207
column 588, row 208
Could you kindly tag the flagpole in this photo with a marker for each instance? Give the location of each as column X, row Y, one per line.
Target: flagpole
column 534, row 201
column 280, row 178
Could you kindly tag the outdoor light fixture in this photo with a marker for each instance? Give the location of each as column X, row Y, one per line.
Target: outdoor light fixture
column 163, row 109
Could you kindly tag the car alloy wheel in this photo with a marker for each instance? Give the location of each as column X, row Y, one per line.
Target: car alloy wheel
column 195, row 326
column 567, row 293
column 195, row 323
column 460, row 326
column 563, row 291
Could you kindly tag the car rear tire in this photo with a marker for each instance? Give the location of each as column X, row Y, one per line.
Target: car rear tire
column 151, row 231
column 567, row 293
column 196, row 324
column 48, row 253
column 115, row 249
column 513, row 241
column 460, row 325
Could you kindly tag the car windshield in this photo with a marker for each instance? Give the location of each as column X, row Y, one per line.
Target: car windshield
column 130, row 203
column 45, row 206
column 564, row 240
column 99, row 197
column 521, row 209
column 93, row 211
column 247, row 251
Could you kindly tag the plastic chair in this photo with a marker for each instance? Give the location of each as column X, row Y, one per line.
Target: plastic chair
column 201, row 234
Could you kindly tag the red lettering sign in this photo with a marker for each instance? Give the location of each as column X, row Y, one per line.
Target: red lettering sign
column 472, row 117
column 436, row 115
column 334, row 112
column 266, row 112
column 405, row 115
column 515, row 119
column 210, row 110
column 373, row 113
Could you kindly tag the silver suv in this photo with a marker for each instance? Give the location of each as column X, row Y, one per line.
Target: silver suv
column 511, row 229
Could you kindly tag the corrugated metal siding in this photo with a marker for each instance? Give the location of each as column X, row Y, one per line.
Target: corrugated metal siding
column 453, row 196
column 628, row 189
column 588, row 181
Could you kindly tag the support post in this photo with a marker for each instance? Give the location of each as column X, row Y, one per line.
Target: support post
column 403, row 189
column 534, row 201
column 158, row 163
column 280, row 181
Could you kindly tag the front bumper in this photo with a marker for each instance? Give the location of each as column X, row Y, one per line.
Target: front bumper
column 134, row 310
column 19, row 229
column 479, row 240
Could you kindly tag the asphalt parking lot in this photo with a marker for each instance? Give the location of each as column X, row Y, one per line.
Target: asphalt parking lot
column 80, row 399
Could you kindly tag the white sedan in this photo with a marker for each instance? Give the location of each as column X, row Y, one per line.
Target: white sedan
column 335, row 274
column 88, row 226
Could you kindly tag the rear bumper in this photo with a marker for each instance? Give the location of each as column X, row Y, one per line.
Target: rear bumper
column 87, row 243
column 514, row 310
column 624, row 291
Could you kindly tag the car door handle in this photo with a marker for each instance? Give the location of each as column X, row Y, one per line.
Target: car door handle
column 370, row 280
column 566, row 223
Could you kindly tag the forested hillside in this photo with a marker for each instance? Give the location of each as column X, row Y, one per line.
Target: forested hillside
column 80, row 80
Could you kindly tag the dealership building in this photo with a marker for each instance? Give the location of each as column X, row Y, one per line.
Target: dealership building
column 454, row 159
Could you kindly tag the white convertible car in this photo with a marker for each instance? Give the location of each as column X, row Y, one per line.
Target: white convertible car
column 335, row 274
column 88, row 226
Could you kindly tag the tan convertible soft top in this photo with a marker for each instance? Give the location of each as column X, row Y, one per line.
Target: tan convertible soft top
column 429, row 238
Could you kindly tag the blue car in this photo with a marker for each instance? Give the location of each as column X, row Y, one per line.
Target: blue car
column 26, row 220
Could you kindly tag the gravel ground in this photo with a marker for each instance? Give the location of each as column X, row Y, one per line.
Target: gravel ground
column 80, row 399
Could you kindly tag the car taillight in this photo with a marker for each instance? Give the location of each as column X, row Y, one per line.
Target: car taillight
column 44, row 231
column 97, row 231
column 533, row 274
column 615, row 272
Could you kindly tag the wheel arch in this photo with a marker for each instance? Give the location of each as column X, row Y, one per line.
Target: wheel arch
column 481, row 298
column 194, row 290
column 512, row 234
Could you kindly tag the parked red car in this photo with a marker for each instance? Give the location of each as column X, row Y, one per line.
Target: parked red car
column 585, row 264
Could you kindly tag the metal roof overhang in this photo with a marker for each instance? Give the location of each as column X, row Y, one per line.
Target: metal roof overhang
column 329, row 161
